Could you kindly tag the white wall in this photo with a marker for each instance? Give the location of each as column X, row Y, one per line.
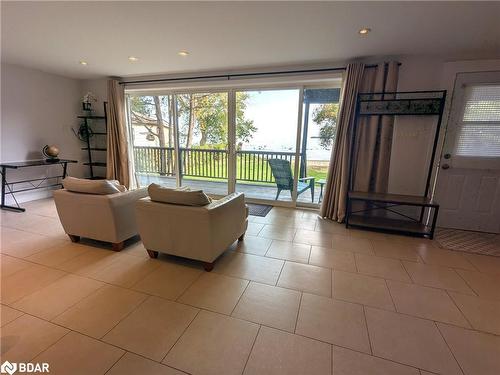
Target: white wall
column 37, row 109
column 413, row 136
column 99, row 88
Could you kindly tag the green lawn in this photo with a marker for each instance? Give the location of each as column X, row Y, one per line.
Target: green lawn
column 250, row 170
column 318, row 172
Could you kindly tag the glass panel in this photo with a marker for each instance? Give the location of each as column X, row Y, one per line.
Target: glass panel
column 479, row 133
column 482, row 103
column 319, row 129
column 266, row 131
column 203, row 147
column 152, row 134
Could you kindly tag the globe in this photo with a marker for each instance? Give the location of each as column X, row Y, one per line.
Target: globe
column 50, row 152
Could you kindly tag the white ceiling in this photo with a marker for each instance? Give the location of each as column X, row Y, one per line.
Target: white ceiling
column 227, row 35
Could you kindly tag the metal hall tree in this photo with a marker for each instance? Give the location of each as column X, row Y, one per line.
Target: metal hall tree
column 392, row 212
column 91, row 129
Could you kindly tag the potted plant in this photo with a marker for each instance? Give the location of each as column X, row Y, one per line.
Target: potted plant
column 87, row 100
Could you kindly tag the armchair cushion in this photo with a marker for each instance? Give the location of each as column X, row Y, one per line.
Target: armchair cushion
column 101, row 187
column 182, row 196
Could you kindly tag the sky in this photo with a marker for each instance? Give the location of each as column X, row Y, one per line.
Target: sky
column 274, row 114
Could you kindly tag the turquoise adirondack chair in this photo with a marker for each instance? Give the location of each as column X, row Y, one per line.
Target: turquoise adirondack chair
column 282, row 172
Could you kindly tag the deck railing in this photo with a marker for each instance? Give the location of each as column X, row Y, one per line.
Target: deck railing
column 154, row 160
column 251, row 166
column 254, row 166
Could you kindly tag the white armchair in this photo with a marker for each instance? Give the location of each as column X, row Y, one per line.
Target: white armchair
column 201, row 233
column 109, row 218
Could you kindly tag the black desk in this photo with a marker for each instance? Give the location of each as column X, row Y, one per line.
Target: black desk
column 37, row 183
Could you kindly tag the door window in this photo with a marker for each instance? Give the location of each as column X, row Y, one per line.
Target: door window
column 479, row 128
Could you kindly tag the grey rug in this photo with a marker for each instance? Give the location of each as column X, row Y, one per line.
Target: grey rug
column 468, row 241
column 258, row 209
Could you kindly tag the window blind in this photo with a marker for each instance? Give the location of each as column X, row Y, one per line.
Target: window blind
column 479, row 132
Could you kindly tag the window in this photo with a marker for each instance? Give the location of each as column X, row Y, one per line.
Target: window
column 479, row 131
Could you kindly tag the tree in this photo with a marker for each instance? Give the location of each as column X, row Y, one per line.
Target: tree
column 151, row 112
column 326, row 117
column 192, row 119
column 244, row 127
column 159, row 121
column 206, row 115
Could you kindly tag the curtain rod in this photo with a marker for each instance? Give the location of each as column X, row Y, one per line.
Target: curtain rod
column 240, row 75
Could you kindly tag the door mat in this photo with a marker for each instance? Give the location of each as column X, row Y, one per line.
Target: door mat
column 258, row 209
column 468, row 241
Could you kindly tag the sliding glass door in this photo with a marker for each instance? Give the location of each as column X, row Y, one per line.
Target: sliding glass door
column 319, row 128
column 181, row 140
column 272, row 144
column 152, row 133
column 266, row 140
column 202, row 123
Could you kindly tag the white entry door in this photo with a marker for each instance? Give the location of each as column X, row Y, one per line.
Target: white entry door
column 468, row 186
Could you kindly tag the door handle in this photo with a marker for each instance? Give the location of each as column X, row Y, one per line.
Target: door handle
column 447, row 156
column 445, row 166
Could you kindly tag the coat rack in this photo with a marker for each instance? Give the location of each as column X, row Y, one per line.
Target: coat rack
column 361, row 207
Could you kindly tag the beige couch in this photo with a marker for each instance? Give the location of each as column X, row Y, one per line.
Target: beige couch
column 103, row 217
column 201, row 233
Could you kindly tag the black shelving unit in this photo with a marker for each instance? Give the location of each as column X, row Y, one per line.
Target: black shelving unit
column 362, row 208
column 92, row 147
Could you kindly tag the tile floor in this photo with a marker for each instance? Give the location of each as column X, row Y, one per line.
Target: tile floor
column 299, row 296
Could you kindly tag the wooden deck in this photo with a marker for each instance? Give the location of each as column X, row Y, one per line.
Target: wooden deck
column 220, row 188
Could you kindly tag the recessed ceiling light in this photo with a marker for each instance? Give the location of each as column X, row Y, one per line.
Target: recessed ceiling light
column 183, row 53
column 133, row 58
column 364, row 30
column 83, row 62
